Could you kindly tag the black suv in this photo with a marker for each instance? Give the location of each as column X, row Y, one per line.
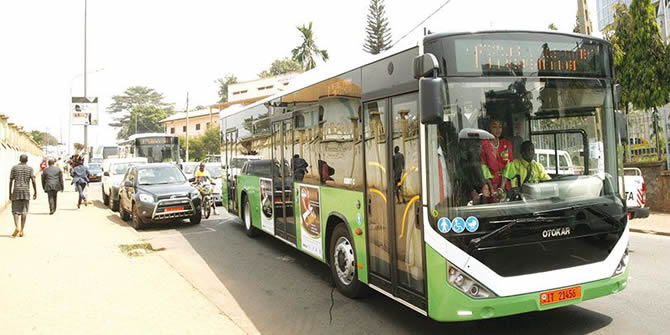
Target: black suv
column 158, row 192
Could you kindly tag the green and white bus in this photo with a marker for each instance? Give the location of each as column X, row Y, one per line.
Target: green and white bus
column 381, row 172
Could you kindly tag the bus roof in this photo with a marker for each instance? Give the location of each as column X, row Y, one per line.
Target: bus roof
column 323, row 73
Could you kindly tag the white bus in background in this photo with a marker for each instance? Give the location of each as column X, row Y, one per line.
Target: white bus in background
column 155, row 147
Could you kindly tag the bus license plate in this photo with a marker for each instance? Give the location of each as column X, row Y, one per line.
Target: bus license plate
column 564, row 294
column 174, row 209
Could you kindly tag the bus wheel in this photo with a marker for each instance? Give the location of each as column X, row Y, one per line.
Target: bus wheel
column 343, row 263
column 251, row 230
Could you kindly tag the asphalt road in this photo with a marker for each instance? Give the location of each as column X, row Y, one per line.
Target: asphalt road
column 283, row 291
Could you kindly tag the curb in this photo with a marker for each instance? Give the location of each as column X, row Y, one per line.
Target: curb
column 652, row 232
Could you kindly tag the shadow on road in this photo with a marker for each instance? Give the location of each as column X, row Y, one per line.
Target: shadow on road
column 283, row 290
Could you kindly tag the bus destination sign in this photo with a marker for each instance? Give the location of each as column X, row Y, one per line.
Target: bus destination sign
column 154, row 140
column 493, row 57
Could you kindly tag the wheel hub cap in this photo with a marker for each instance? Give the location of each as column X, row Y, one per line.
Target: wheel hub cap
column 343, row 256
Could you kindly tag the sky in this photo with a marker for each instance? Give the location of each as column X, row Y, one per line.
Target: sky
column 177, row 47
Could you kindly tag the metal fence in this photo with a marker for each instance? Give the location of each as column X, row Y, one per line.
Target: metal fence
column 647, row 136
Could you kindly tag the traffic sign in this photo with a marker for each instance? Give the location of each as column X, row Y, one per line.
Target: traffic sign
column 84, row 111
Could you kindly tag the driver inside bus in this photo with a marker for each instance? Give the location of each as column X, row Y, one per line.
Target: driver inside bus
column 526, row 169
column 201, row 174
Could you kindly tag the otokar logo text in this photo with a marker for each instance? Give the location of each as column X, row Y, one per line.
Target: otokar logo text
column 563, row 231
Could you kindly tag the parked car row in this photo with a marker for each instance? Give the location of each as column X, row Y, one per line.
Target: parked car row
column 149, row 193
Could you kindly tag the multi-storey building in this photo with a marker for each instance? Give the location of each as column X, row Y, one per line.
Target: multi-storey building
column 583, row 18
column 662, row 7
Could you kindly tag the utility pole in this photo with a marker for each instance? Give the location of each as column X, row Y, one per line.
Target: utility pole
column 85, row 123
column 187, row 126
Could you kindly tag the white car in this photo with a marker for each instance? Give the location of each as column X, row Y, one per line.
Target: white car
column 189, row 169
column 216, row 173
column 113, row 171
column 547, row 157
column 635, row 193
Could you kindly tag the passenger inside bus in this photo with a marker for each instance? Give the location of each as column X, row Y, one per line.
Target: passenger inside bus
column 526, row 169
column 496, row 153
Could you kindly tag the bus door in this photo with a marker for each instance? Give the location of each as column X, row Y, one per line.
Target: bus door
column 230, row 187
column 394, row 222
column 282, row 180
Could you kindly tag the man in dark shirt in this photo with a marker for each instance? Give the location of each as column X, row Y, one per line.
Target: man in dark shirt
column 398, row 167
column 52, row 183
column 19, row 192
column 299, row 168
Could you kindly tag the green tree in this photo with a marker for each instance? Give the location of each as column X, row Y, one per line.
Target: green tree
column 641, row 61
column 143, row 119
column 228, row 79
column 305, row 52
column 132, row 97
column 43, row 138
column 552, row 26
column 281, row 66
column 201, row 146
column 378, row 33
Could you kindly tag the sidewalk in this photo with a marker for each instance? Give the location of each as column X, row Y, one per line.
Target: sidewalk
column 656, row 223
column 67, row 275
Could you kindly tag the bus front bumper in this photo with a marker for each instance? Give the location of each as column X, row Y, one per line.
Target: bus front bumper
column 446, row 303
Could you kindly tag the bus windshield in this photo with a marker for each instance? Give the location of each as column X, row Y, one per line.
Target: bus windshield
column 157, row 153
column 495, row 153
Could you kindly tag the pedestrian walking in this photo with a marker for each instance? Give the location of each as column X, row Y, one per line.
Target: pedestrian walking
column 52, row 183
column 80, row 180
column 19, row 192
column 43, row 165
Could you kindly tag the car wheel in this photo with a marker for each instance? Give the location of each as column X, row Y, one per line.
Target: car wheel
column 105, row 197
column 248, row 226
column 343, row 263
column 137, row 221
column 125, row 216
column 114, row 205
column 196, row 218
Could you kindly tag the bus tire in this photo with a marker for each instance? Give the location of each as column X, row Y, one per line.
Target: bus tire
column 343, row 267
column 246, row 218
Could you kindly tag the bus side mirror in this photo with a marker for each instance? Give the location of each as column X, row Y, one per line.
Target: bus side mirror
column 432, row 99
column 618, row 91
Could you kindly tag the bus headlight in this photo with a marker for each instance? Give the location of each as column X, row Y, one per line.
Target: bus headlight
column 621, row 267
column 460, row 280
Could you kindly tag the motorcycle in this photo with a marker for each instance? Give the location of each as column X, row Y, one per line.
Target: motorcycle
column 206, row 188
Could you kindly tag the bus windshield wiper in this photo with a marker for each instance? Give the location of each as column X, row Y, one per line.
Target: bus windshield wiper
column 476, row 242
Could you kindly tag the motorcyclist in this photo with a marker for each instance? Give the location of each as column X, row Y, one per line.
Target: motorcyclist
column 202, row 181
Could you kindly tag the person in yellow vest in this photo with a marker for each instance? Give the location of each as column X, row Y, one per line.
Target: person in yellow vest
column 526, row 169
column 201, row 173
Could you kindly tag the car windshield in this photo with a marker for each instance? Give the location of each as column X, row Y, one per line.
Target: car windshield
column 237, row 163
column 94, row 166
column 214, row 171
column 495, row 153
column 189, row 169
column 160, row 175
column 120, row 168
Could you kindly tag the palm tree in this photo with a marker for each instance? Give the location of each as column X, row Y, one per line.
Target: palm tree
column 304, row 53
